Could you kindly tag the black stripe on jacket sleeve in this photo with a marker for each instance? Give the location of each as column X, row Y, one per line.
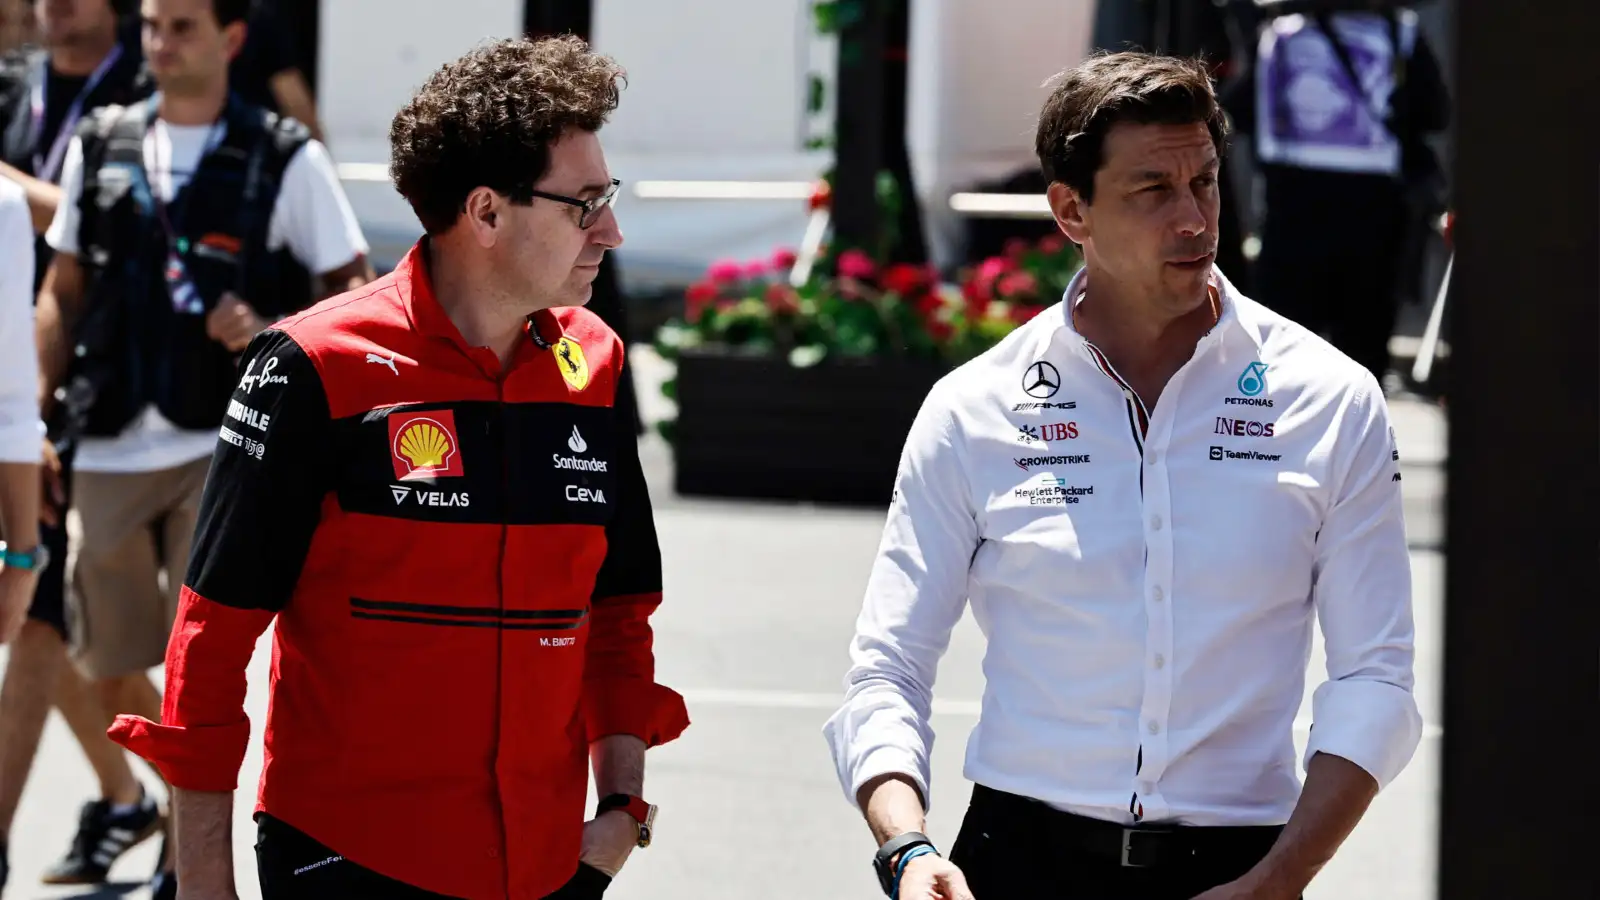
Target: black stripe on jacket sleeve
column 268, row 478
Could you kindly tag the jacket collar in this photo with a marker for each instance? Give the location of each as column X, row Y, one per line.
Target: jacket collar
column 427, row 317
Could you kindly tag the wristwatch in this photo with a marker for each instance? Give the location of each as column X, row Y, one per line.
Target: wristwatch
column 35, row 559
column 643, row 814
column 883, row 861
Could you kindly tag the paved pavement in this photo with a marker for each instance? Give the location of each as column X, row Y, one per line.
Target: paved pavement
column 762, row 602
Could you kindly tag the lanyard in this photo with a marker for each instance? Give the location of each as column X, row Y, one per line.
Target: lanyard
column 49, row 167
column 213, row 138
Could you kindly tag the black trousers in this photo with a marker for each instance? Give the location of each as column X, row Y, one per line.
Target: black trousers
column 1331, row 253
column 293, row 866
column 1014, row 847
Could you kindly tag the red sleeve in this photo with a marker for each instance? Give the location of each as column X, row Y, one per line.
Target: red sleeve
column 261, row 505
column 621, row 695
column 210, row 647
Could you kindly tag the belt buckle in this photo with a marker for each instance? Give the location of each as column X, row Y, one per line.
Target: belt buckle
column 1130, row 858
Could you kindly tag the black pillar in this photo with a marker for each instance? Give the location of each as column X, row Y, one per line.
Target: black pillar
column 870, row 133
column 303, row 20
column 1520, row 619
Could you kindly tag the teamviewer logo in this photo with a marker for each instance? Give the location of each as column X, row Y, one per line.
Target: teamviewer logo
column 1216, row 452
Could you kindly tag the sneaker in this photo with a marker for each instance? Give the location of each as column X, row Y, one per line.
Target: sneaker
column 103, row 837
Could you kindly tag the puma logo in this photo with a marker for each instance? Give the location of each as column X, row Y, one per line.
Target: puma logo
column 375, row 358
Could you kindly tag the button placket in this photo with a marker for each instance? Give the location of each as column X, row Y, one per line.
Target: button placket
column 1155, row 708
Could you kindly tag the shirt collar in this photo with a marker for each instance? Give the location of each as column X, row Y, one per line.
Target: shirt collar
column 1236, row 317
column 429, row 318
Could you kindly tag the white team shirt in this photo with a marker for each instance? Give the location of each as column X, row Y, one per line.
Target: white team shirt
column 1147, row 593
column 311, row 217
column 20, row 434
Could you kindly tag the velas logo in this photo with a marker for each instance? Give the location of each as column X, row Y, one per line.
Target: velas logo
column 569, row 359
column 1253, row 380
column 424, row 445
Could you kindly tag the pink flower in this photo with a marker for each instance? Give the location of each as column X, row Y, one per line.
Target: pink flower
column 783, row 259
column 1015, row 285
column 856, row 264
column 782, row 299
column 993, row 267
column 695, row 300
column 1021, row 313
column 1051, row 244
column 724, row 271
column 905, row 279
column 1016, row 248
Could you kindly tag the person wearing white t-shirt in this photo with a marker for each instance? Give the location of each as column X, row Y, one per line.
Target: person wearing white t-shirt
column 20, row 449
column 1148, row 493
column 170, row 289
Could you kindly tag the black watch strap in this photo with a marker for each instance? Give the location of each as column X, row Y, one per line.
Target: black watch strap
column 883, row 861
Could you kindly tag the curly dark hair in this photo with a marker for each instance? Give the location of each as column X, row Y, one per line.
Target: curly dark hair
column 1107, row 88
column 488, row 119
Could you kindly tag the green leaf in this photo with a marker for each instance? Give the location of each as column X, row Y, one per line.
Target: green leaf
column 669, row 389
column 668, row 429
column 826, row 16
column 820, row 142
column 816, row 93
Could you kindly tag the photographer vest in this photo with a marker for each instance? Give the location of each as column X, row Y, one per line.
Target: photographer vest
column 154, row 271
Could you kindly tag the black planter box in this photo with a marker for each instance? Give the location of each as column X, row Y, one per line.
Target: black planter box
column 755, row 426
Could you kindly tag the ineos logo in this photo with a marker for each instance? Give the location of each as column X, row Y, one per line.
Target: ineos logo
column 1041, row 380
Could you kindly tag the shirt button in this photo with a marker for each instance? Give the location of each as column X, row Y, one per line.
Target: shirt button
column 494, row 852
column 1153, row 457
column 1157, row 594
column 1155, row 523
column 1146, row 787
column 1155, row 728
column 1160, row 660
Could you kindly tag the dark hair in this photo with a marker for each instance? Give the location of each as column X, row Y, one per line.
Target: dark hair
column 231, row 11
column 1107, row 88
column 488, row 119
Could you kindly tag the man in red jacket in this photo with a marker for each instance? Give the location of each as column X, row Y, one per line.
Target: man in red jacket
column 424, row 483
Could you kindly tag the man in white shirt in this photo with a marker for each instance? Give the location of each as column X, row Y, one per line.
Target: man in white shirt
column 22, row 558
column 190, row 222
column 1148, row 493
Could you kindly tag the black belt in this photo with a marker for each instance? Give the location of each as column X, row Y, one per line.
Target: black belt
column 1133, row 846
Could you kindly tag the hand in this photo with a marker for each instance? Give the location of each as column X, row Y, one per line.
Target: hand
column 232, row 323
column 607, row 841
column 53, row 495
column 932, row 877
column 16, row 595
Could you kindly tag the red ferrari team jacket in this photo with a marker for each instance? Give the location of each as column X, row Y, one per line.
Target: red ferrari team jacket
column 462, row 563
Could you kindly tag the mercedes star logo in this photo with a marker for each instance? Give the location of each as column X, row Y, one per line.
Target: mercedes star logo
column 1041, row 381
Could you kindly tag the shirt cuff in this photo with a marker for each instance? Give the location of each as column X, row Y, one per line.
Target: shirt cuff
column 195, row 759
column 651, row 712
column 886, row 760
column 1373, row 724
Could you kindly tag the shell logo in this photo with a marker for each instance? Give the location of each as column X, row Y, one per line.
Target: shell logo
column 424, row 445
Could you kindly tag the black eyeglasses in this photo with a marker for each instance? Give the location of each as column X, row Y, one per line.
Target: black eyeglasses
column 591, row 208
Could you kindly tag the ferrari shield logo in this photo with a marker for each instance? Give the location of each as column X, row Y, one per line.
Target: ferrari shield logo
column 569, row 359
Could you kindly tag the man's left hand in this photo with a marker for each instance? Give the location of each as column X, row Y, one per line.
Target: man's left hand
column 233, row 322
column 607, row 841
